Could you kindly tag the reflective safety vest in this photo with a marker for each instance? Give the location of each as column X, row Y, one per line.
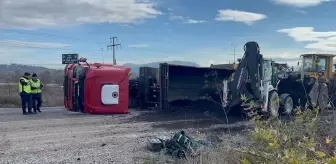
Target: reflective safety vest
column 36, row 84
column 25, row 88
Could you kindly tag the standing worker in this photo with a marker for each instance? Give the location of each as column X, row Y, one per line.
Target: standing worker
column 25, row 93
column 36, row 91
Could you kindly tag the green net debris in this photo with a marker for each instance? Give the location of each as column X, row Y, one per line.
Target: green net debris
column 179, row 146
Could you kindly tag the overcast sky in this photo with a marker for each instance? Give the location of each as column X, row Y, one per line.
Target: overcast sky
column 39, row 31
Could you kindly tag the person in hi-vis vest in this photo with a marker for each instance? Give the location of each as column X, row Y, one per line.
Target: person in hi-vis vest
column 25, row 93
column 36, row 90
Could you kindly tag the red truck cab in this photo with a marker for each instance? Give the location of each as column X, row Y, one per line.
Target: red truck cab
column 96, row 88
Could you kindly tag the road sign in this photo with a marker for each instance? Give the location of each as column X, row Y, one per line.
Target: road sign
column 69, row 58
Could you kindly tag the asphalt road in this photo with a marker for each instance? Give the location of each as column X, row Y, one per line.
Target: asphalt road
column 59, row 136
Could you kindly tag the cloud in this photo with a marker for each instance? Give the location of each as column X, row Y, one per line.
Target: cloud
column 126, row 25
column 47, row 13
column 193, row 21
column 148, row 60
column 175, row 17
column 24, row 52
column 301, row 3
column 239, row 16
column 7, row 52
column 20, row 43
column 206, row 57
column 165, row 59
column 138, row 46
column 322, row 41
column 301, row 11
column 289, row 56
column 185, row 20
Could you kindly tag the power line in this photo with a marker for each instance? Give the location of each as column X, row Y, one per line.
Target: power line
column 114, row 45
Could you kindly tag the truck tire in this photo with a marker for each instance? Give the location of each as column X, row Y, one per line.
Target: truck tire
column 273, row 104
column 286, row 103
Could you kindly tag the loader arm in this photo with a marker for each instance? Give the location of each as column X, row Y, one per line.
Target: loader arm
column 247, row 77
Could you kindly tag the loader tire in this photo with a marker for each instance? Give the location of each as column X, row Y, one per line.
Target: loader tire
column 273, row 104
column 287, row 103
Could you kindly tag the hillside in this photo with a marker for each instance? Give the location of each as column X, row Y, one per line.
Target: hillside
column 10, row 73
column 4, row 68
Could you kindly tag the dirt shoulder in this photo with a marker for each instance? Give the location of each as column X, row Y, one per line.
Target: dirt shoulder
column 59, row 136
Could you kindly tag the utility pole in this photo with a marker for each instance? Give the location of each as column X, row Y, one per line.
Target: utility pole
column 113, row 45
column 234, row 53
column 102, row 53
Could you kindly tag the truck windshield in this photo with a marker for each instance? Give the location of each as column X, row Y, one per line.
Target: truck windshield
column 319, row 64
column 322, row 64
column 308, row 64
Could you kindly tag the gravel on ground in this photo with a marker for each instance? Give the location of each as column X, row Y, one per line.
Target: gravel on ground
column 60, row 136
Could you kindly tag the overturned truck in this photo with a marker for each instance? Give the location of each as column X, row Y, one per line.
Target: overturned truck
column 171, row 86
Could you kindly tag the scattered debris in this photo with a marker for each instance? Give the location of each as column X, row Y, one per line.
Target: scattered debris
column 179, row 146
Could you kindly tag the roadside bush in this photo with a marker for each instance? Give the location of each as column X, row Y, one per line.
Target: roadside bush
column 294, row 141
column 302, row 139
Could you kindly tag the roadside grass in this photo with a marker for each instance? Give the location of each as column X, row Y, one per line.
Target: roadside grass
column 9, row 96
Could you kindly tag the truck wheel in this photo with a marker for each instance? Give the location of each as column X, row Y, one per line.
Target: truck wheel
column 273, row 104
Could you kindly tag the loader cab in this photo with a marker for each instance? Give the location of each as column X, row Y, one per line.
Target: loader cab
column 315, row 64
column 279, row 71
column 267, row 70
column 268, row 90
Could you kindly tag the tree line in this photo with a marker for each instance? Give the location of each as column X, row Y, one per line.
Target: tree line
column 46, row 76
